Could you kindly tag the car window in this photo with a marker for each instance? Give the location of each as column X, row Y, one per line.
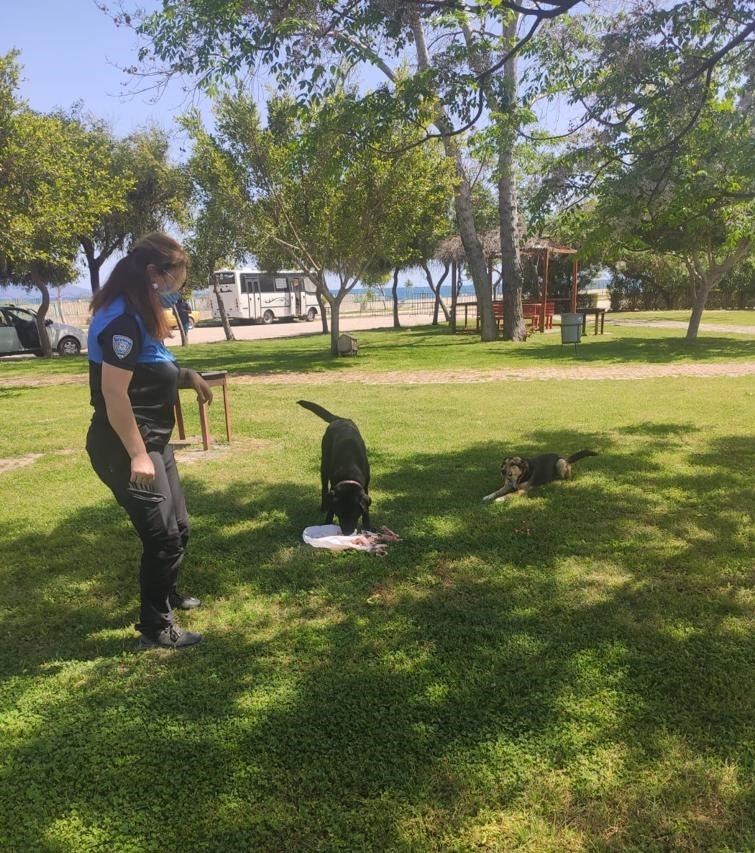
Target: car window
column 20, row 314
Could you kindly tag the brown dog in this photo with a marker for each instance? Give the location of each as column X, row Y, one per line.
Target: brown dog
column 520, row 475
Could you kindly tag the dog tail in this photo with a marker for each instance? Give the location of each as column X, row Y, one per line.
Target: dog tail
column 318, row 410
column 575, row 457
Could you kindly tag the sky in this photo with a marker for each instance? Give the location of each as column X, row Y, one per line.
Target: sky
column 72, row 51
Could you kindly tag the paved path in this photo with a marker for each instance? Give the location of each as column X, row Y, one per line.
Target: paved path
column 353, row 323
column 437, row 377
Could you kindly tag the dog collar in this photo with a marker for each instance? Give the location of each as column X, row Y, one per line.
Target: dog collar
column 347, row 482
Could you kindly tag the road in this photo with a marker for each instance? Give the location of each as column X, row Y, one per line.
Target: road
column 353, row 323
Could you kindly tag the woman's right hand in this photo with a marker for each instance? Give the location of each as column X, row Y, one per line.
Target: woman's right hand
column 142, row 470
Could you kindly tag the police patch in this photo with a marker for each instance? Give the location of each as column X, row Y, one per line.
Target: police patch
column 122, row 345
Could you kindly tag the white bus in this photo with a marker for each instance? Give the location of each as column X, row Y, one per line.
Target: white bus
column 262, row 297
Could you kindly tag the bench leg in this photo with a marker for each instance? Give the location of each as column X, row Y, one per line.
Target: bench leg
column 179, row 418
column 203, row 422
column 227, row 413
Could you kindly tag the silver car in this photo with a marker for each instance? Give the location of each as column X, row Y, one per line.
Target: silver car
column 18, row 333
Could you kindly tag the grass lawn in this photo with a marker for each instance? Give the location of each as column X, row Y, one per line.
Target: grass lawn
column 567, row 672
column 428, row 348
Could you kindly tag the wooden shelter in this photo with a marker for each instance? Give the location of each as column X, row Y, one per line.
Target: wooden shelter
column 451, row 250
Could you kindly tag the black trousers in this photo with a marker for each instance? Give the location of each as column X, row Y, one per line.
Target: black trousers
column 163, row 527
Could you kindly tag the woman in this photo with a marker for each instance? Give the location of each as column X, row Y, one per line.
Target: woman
column 133, row 379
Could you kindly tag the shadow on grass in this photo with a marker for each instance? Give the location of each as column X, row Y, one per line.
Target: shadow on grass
column 575, row 666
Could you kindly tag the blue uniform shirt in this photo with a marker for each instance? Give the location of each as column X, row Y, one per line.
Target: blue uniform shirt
column 118, row 336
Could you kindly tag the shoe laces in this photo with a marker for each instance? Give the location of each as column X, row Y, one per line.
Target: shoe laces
column 174, row 632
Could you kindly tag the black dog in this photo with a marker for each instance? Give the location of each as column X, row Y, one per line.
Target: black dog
column 520, row 475
column 344, row 471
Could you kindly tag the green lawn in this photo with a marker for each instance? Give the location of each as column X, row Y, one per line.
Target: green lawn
column 568, row 672
column 434, row 348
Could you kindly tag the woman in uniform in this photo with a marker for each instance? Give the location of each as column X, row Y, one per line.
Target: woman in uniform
column 133, row 379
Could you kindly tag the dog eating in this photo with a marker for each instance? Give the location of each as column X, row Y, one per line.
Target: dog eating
column 344, row 471
column 520, row 474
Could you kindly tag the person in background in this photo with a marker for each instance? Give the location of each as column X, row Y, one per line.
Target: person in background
column 133, row 380
column 184, row 309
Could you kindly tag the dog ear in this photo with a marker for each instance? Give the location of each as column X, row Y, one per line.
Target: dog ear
column 329, row 499
column 365, row 501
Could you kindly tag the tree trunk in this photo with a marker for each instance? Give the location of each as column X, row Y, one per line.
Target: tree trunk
column 514, row 328
column 323, row 312
column 701, row 297
column 475, row 257
column 394, row 297
column 93, row 264
column 229, row 336
column 44, row 338
column 335, row 312
column 704, row 280
column 435, row 288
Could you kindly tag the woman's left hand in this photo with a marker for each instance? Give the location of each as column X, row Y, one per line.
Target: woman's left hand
column 204, row 392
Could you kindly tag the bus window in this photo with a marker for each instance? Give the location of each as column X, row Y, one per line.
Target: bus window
column 281, row 284
column 266, row 285
column 309, row 286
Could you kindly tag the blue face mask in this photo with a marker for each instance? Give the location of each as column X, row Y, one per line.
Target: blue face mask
column 168, row 300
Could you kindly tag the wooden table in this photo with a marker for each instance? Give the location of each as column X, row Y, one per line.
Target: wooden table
column 218, row 378
column 600, row 318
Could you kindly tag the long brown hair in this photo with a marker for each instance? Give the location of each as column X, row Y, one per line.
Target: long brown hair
column 131, row 280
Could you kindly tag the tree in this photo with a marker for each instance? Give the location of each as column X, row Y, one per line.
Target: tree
column 314, row 46
column 668, row 166
column 155, row 190
column 51, row 189
column 219, row 215
column 320, row 201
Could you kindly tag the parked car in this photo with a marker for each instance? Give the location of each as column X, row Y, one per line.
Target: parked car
column 18, row 333
column 171, row 318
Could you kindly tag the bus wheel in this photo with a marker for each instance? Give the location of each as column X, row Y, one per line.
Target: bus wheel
column 311, row 314
column 268, row 317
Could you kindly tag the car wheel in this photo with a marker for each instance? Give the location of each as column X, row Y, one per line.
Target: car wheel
column 189, row 325
column 268, row 317
column 69, row 346
column 311, row 314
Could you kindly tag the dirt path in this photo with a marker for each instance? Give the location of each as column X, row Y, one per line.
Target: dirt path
column 679, row 324
column 435, row 377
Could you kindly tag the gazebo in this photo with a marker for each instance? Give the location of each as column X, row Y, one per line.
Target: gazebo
column 451, row 250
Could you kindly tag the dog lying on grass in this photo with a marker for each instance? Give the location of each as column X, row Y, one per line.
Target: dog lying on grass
column 344, row 471
column 520, row 475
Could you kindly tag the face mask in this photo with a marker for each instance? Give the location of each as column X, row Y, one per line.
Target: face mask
column 168, row 300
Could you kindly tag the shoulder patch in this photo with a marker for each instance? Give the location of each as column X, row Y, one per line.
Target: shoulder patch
column 122, row 345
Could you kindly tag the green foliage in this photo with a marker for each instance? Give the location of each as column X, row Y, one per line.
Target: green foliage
column 317, row 194
column 54, row 185
column 153, row 191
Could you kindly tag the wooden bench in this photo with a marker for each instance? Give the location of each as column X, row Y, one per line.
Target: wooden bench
column 531, row 312
column 531, row 319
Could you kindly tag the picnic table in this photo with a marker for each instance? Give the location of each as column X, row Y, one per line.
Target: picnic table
column 600, row 318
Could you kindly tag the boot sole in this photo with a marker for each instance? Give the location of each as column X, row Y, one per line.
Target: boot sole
column 144, row 645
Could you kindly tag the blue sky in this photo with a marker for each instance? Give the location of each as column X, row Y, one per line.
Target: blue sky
column 72, row 51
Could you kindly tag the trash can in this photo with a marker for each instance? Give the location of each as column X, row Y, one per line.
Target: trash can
column 571, row 328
